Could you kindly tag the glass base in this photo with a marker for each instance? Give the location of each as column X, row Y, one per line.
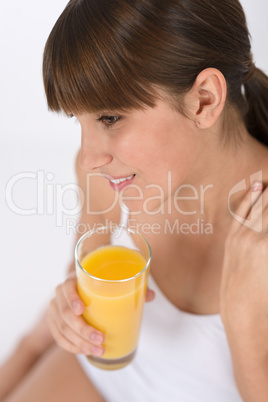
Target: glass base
column 111, row 364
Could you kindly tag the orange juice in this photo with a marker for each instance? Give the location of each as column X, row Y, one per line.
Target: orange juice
column 114, row 294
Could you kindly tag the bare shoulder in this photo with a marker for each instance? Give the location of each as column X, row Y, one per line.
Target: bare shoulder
column 100, row 203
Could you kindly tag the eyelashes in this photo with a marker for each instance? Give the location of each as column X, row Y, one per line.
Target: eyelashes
column 106, row 120
column 109, row 121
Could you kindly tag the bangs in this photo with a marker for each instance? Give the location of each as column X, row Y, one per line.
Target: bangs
column 88, row 65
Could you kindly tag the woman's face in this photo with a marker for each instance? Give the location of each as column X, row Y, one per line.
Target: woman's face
column 145, row 154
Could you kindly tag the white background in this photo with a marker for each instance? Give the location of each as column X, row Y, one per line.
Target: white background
column 35, row 252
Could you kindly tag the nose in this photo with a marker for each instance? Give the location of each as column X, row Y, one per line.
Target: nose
column 93, row 154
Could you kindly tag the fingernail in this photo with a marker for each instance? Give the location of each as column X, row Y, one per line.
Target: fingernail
column 97, row 338
column 97, row 351
column 256, row 186
column 76, row 307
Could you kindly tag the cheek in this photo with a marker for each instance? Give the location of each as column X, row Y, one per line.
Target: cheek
column 158, row 153
column 175, row 158
column 183, row 157
column 158, row 181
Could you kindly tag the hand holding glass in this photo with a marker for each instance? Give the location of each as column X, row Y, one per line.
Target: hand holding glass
column 112, row 268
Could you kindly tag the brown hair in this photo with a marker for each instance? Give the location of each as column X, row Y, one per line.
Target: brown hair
column 113, row 54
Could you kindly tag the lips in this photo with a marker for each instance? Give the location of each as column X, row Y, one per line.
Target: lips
column 119, row 183
column 122, row 179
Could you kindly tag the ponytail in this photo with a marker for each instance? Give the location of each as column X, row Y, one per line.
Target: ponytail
column 256, row 93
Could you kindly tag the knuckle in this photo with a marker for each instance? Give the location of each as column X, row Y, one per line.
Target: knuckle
column 83, row 345
column 63, row 327
column 65, row 344
column 69, row 319
column 81, row 327
column 73, row 349
column 86, row 330
column 60, row 338
column 65, row 310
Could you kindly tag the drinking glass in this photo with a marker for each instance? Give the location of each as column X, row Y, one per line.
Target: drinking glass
column 113, row 294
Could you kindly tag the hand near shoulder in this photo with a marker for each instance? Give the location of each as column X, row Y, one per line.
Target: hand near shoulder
column 244, row 286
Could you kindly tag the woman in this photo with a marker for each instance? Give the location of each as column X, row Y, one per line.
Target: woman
column 169, row 102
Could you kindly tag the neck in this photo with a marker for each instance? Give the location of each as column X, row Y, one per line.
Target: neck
column 218, row 169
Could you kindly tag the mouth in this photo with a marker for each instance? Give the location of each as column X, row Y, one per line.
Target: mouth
column 118, row 184
column 122, row 179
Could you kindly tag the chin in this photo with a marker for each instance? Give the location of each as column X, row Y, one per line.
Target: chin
column 147, row 202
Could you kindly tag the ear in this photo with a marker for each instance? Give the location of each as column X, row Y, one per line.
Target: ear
column 207, row 97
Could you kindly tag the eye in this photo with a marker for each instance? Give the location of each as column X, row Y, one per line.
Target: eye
column 109, row 120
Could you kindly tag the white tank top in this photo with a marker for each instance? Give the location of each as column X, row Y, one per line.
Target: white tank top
column 181, row 357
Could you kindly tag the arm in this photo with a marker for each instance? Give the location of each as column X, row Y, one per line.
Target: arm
column 244, row 296
column 250, row 362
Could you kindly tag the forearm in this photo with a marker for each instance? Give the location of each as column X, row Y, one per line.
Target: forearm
column 250, row 363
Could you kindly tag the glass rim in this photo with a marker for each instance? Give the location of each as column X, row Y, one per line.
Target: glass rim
column 91, row 232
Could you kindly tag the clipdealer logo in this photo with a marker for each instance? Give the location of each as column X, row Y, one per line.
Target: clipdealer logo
column 50, row 198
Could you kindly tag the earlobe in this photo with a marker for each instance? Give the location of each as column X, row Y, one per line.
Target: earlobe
column 208, row 95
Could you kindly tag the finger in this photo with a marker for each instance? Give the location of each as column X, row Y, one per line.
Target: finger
column 90, row 345
column 71, row 295
column 259, row 213
column 150, row 295
column 67, row 344
column 67, row 319
column 246, row 205
column 60, row 339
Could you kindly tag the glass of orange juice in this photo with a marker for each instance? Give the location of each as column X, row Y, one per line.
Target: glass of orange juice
column 112, row 268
